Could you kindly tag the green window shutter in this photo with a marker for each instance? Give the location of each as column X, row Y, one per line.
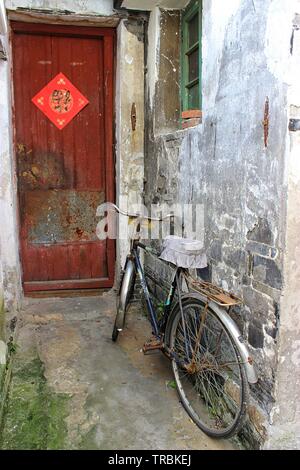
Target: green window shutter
column 191, row 59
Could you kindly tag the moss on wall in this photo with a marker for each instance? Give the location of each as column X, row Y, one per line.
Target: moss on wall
column 2, row 366
column 1, row 316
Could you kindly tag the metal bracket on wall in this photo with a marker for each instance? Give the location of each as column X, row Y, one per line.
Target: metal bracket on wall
column 266, row 122
column 294, row 125
column 133, row 116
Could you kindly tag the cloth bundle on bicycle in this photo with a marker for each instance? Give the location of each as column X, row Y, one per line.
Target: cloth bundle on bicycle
column 183, row 252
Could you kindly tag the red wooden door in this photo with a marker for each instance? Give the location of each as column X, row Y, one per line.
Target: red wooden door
column 63, row 174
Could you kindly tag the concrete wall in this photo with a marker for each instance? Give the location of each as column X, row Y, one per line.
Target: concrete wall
column 235, row 169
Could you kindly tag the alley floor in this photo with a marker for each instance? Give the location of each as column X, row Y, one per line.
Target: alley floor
column 72, row 388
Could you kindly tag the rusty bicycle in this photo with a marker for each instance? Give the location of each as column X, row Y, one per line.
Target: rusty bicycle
column 210, row 360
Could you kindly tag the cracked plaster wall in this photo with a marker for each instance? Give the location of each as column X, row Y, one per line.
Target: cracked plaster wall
column 9, row 260
column 129, row 141
column 224, row 164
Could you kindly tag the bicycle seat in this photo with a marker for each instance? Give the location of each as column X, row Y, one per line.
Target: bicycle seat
column 183, row 252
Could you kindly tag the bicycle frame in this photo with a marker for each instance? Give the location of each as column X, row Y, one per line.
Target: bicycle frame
column 157, row 326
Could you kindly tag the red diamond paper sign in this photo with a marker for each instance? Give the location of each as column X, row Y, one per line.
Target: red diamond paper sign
column 60, row 101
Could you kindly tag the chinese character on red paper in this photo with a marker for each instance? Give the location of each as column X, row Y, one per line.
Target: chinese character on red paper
column 60, row 101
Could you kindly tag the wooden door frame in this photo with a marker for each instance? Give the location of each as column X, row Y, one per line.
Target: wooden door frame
column 108, row 35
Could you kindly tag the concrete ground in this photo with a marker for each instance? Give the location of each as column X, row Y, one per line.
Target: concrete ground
column 72, row 388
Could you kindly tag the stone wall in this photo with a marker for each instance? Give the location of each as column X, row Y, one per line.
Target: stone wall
column 235, row 166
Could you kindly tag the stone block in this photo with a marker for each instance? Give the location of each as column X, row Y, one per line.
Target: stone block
column 266, row 270
column 236, row 259
column 204, row 274
column 261, row 249
column 261, row 232
column 255, row 336
column 262, row 305
column 272, row 331
column 262, row 391
column 267, row 290
column 215, row 250
column 258, row 419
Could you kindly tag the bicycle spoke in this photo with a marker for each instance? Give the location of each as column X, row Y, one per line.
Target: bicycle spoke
column 211, row 377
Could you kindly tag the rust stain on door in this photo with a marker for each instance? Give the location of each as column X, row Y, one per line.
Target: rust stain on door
column 61, row 216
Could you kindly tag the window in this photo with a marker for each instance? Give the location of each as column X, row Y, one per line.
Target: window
column 191, row 56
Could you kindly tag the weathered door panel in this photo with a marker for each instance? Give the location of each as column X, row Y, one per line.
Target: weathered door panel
column 63, row 175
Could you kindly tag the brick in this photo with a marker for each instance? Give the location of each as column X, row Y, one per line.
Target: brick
column 191, row 113
column 191, row 123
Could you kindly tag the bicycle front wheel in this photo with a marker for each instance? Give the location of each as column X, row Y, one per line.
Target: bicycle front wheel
column 210, row 378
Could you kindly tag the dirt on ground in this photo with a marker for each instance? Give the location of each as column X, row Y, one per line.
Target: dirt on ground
column 73, row 388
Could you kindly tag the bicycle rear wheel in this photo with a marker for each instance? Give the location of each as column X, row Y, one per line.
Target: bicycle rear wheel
column 213, row 386
column 124, row 296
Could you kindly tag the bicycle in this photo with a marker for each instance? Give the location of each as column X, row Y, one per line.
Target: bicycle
column 210, row 360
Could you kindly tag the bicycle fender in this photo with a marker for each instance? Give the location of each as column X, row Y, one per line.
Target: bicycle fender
column 232, row 328
column 126, row 282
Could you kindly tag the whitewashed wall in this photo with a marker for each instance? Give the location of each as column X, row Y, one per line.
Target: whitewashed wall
column 100, row 7
column 9, row 258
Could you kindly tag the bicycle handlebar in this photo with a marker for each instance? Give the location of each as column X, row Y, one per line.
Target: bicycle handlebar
column 127, row 214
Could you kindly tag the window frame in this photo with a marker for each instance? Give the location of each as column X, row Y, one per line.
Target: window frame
column 194, row 7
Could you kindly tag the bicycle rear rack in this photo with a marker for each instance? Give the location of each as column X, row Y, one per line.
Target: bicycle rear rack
column 212, row 292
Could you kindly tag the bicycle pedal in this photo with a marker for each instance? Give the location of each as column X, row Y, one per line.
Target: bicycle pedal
column 153, row 344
